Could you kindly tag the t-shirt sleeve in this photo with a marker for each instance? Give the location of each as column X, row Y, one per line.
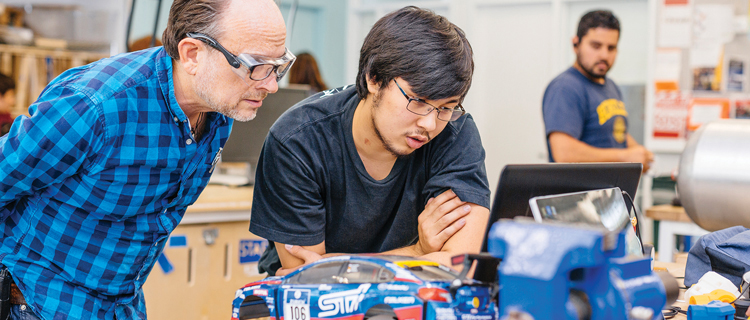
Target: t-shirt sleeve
column 288, row 206
column 457, row 162
column 562, row 109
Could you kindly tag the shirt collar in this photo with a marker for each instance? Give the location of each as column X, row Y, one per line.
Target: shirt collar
column 166, row 82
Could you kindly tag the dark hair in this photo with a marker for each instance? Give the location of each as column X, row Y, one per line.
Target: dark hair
column 305, row 71
column 6, row 83
column 428, row 51
column 597, row 19
column 185, row 16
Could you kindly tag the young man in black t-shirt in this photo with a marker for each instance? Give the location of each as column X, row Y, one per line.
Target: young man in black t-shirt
column 391, row 165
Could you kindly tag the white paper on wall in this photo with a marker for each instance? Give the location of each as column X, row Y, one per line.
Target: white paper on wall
column 668, row 65
column 675, row 25
column 712, row 28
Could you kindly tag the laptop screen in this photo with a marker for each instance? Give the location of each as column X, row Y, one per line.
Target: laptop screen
column 519, row 183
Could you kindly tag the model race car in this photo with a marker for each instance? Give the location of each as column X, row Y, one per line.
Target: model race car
column 369, row 287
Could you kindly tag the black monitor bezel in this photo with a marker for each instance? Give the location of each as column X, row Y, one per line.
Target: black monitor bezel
column 520, row 182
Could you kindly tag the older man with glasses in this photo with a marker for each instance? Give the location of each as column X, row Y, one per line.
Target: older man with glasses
column 391, row 165
column 94, row 181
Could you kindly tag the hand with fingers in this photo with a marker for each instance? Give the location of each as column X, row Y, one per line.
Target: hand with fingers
column 299, row 252
column 441, row 219
column 639, row 154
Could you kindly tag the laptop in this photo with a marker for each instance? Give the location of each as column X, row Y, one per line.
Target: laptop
column 519, row 183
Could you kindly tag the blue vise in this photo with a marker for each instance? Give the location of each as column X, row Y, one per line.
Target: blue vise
column 553, row 270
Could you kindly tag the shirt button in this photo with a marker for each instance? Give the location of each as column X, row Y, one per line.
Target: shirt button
column 189, row 141
column 176, row 120
column 23, row 307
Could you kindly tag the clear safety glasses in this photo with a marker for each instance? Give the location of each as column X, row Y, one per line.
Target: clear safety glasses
column 422, row 108
column 258, row 67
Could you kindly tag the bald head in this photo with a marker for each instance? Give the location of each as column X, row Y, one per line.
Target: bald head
column 256, row 21
column 254, row 26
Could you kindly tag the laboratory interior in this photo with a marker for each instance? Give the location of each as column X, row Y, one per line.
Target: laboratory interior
column 280, row 159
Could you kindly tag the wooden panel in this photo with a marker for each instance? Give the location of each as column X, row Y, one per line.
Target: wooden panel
column 223, row 198
column 205, row 277
column 668, row 212
column 33, row 68
column 6, row 63
column 676, row 269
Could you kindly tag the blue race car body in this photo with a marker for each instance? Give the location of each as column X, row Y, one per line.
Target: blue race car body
column 367, row 287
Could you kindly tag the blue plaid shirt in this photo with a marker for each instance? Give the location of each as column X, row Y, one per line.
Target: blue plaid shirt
column 94, row 181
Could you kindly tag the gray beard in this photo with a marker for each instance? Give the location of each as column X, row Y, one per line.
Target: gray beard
column 204, row 88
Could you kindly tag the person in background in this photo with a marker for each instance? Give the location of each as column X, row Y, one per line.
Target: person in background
column 390, row 165
column 114, row 152
column 305, row 71
column 7, row 101
column 584, row 116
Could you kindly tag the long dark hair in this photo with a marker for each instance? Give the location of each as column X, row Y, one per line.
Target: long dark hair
column 305, row 71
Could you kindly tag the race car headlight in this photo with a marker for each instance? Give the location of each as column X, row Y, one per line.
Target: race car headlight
column 434, row 294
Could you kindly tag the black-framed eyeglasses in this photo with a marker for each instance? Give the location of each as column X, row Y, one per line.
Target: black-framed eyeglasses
column 259, row 67
column 422, row 108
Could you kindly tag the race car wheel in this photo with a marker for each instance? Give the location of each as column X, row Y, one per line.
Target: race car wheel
column 254, row 307
column 380, row 312
column 382, row 317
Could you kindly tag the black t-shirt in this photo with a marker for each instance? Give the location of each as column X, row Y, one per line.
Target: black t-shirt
column 311, row 185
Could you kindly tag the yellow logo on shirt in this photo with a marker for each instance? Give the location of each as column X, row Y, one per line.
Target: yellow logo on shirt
column 619, row 130
column 610, row 108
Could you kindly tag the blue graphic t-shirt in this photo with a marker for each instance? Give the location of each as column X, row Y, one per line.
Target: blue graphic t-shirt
column 590, row 112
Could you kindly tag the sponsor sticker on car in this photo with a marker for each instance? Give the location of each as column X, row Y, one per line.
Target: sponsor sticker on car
column 398, row 300
column 341, row 302
column 393, row 287
column 297, row 304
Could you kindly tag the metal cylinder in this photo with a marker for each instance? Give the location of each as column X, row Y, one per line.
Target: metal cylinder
column 714, row 175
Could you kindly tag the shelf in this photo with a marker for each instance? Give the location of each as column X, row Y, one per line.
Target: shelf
column 33, row 68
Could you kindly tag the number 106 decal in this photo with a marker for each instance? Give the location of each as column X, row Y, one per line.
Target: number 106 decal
column 297, row 305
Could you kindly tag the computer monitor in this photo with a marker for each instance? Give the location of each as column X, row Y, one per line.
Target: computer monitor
column 246, row 139
column 519, row 183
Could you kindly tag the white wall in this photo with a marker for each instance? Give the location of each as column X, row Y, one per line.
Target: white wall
column 320, row 29
column 519, row 46
column 513, row 66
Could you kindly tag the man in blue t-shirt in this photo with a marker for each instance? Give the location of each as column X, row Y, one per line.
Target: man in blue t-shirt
column 584, row 116
column 390, row 165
